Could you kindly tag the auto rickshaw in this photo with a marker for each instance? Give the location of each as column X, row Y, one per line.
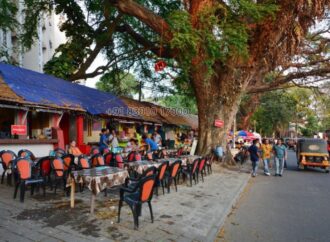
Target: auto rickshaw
column 312, row 153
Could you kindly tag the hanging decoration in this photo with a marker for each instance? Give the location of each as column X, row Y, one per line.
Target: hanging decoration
column 160, row 64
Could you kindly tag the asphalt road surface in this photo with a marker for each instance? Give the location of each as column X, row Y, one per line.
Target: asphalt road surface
column 295, row 207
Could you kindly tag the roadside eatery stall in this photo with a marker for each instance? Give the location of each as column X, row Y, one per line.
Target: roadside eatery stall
column 41, row 114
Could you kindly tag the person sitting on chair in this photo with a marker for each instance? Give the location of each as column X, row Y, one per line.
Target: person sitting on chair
column 74, row 150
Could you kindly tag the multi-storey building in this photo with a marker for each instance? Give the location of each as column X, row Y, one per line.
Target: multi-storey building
column 49, row 38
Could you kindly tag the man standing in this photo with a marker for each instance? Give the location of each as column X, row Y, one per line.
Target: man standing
column 254, row 156
column 103, row 139
column 280, row 153
column 266, row 154
column 157, row 138
column 113, row 140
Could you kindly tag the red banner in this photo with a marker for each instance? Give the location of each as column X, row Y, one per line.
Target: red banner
column 219, row 123
column 18, row 129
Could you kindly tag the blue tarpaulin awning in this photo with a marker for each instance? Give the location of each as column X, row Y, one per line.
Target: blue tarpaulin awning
column 48, row 90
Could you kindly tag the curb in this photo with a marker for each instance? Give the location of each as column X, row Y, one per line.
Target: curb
column 212, row 234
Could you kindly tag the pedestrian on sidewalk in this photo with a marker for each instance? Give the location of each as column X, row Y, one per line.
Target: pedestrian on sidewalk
column 266, row 155
column 254, row 156
column 280, row 155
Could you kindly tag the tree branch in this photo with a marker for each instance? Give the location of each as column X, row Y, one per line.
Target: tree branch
column 154, row 21
column 288, row 78
column 157, row 50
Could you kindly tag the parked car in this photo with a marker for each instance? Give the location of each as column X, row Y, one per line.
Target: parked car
column 312, row 153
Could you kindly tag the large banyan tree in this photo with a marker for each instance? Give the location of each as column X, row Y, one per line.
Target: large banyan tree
column 216, row 50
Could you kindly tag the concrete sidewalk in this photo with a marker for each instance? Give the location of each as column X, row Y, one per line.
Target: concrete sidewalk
column 191, row 214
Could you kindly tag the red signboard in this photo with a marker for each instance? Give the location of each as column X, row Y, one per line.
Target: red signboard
column 218, row 123
column 18, row 130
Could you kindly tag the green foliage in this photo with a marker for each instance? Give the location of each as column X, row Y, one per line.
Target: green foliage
column 311, row 127
column 179, row 101
column 185, row 36
column 276, row 110
column 8, row 11
column 119, row 83
column 257, row 12
column 33, row 9
column 222, row 32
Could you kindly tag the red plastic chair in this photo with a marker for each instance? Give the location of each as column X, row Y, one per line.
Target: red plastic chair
column 95, row 150
column 137, row 156
column 106, row 151
column 149, row 155
column 119, row 161
column 141, row 193
column 23, row 168
column 108, row 159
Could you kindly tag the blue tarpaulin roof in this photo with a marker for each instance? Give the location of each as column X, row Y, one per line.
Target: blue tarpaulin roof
column 48, row 90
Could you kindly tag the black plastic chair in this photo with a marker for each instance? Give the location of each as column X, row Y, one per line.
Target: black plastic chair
column 24, row 153
column 83, row 162
column 192, row 171
column 172, row 174
column 141, row 193
column 7, row 157
column 68, row 160
column 161, row 172
column 209, row 165
column 97, row 160
column 23, row 169
column 201, row 168
column 57, row 165
column 131, row 182
column 59, row 152
column 43, row 169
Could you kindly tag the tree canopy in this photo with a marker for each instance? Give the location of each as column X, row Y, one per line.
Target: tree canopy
column 120, row 84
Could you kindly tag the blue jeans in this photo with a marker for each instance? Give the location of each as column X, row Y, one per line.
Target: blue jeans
column 279, row 165
column 266, row 162
column 254, row 167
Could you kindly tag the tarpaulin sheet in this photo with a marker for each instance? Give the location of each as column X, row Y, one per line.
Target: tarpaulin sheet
column 48, row 90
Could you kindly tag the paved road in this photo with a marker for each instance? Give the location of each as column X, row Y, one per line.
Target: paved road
column 295, row 207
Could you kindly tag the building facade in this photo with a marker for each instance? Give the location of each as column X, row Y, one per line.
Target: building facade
column 49, row 38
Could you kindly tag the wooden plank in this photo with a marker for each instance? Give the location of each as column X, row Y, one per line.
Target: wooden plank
column 73, row 188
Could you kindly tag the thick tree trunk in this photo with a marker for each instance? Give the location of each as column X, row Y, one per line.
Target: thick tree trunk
column 215, row 100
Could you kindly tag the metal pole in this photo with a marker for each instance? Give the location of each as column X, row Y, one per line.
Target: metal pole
column 140, row 91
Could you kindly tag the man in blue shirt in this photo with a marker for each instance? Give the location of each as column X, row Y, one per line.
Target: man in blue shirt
column 254, row 156
column 280, row 153
column 152, row 145
column 103, row 139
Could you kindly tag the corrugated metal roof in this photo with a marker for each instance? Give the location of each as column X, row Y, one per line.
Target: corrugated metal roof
column 47, row 90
